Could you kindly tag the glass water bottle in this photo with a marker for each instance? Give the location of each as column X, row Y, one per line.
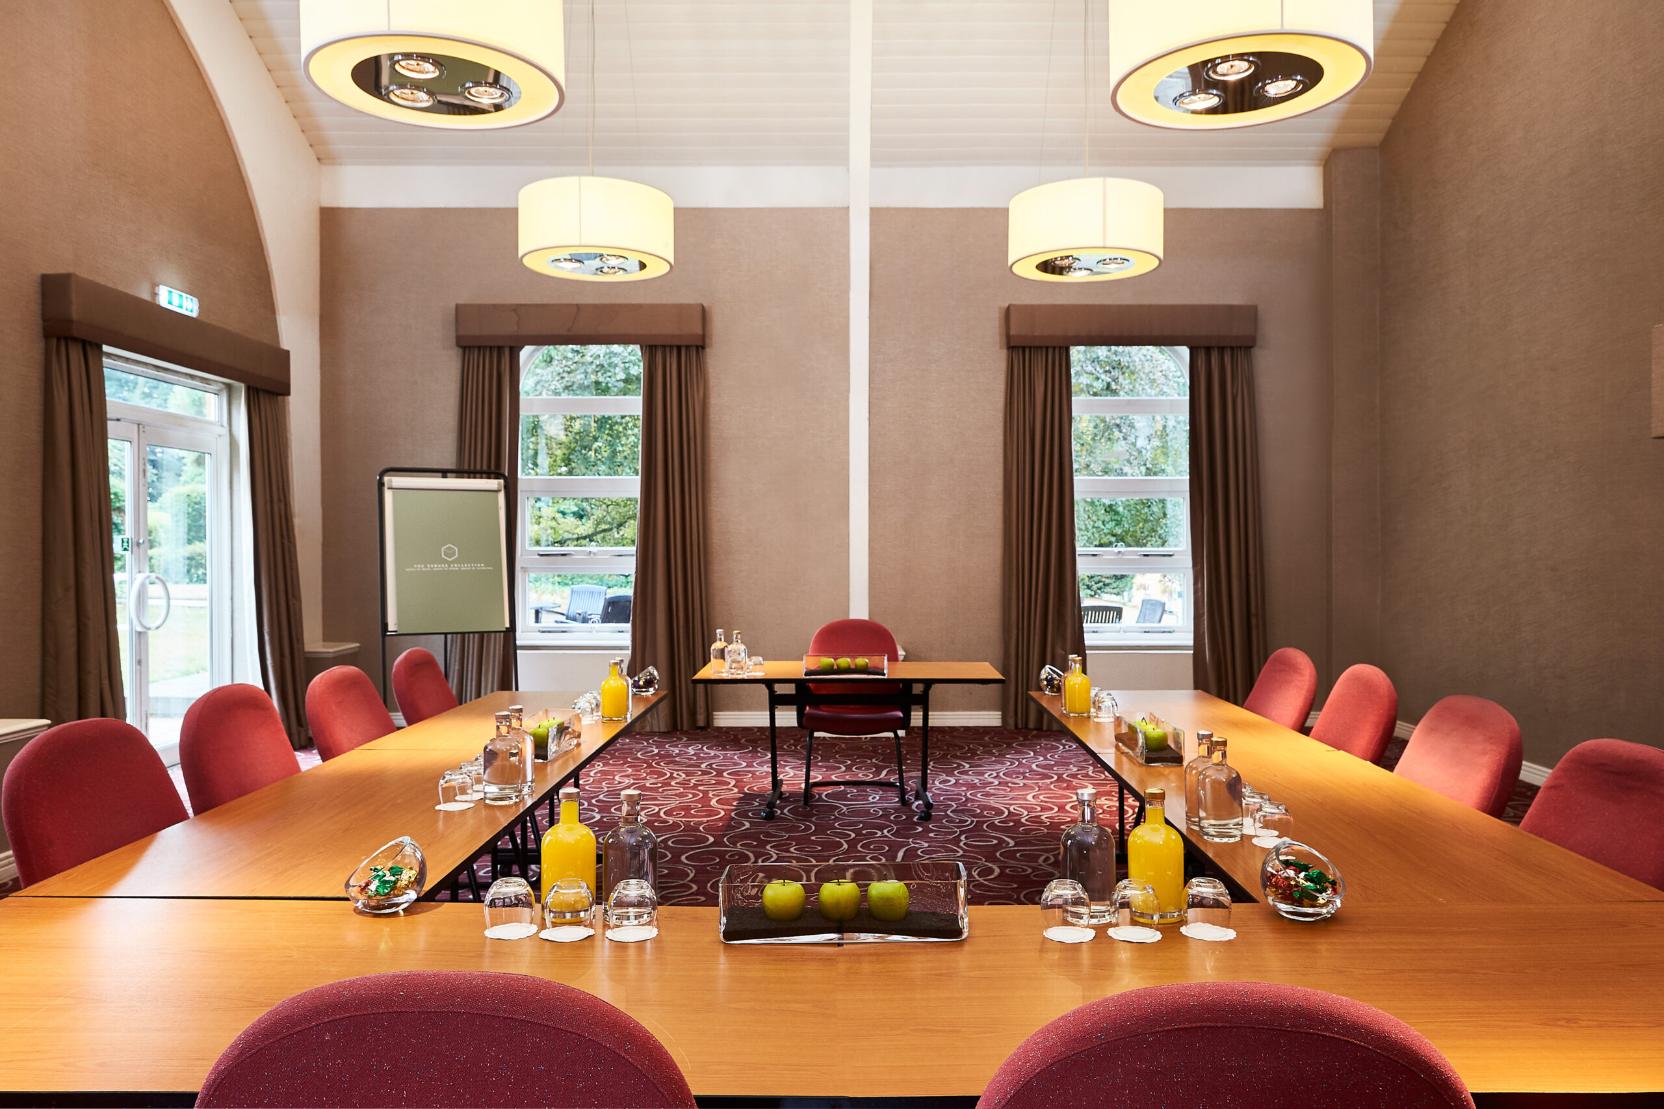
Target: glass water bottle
column 615, row 693
column 738, row 657
column 630, row 850
column 528, row 746
column 1155, row 854
column 719, row 650
column 504, row 777
column 1193, row 768
column 1077, row 690
column 1088, row 857
column 1220, row 788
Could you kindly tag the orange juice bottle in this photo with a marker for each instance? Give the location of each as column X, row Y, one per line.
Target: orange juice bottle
column 568, row 847
column 1077, row 690
column 1155, row 854
column 615, row 694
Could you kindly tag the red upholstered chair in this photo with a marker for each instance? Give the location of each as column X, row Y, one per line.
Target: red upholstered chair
column 1225, row 1044
column 852, row 638
column 446, row 1038
column 1360, row 714
column 1602, row 800
column 1284, row 690
column 1468, row 749
column 419, row 686
column 344, row 710
column 82, row 789
column 231, row 743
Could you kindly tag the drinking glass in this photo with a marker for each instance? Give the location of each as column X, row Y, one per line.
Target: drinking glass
column 475, row 769
column 1207, row 901
column 455, row 791
column 1104, row 706
column 632, row 911
column 569, row 911
column 1275, row 823
column 510, row 910
column 1064, row 902
column 1132, row 898
column 1252, row 800
column 589, row 706
column 757, row 664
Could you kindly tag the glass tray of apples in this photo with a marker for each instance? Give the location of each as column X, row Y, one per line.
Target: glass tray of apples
column 1152, row 740
column 875, row 902
column 845, row 666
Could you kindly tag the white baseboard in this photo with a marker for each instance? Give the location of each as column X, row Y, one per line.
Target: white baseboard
column 1531, row 772
column 8, row 867
column 787, row 718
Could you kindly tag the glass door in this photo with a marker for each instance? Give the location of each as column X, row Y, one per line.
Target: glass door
column 166, row 498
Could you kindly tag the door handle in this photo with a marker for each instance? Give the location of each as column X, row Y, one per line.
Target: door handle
column 137, row 598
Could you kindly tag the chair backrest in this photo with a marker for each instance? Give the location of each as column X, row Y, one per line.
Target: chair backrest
column 1100, row 614
column 584, row 603
column 617, row 609
column 1360, row 714
column 231, row 743
column 81, row 789
column 1225, row 1043
column 1468, row 749
column 1151, row 610
column 419, row 686
column 1602, row 800
column 1285, row 688
column 446, row 1038
column 344, row 710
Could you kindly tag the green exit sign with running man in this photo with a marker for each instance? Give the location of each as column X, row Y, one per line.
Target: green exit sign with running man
column 177, row 301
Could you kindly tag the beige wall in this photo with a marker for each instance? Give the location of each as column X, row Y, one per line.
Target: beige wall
column 1523, row 266
column 939, row 282
column 775, row 282
column 130, row 190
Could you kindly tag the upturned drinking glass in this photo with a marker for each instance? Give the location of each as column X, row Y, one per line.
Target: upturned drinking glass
column 475, row 769
column 568, row 903
column 510, row 910
column 455, row 791
column 1063, row 907
column 633, row 904
column 1207, row 901
column 1275, row 823
column 1133, row 902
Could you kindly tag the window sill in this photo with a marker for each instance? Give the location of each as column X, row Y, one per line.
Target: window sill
column 1132, row 646
column 575, row 643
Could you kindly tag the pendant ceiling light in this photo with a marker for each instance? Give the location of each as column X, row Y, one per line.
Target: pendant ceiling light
column 589, row 228
column 1086, row 228
column 1217, row 64
column 438, row 63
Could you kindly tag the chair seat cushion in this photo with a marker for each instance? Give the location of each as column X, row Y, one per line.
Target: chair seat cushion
column 853, row 720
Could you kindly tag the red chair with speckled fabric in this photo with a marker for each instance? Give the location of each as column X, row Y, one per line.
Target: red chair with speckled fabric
column 419, row 686
column 1360, row 714
column 1602, row 800
column 1468, row 749
column 851, row 639
column 344, row 711
column 1225, row 1044
column 232, row 742
column 82, row 789
column 1284, row 690
column 446, row 1038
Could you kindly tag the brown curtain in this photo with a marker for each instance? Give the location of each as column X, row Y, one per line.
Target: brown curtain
column 277, row 610
column 1225, row 522
column 488, row 437
column 1041, row 617
column 668, row 618
column 80, row 651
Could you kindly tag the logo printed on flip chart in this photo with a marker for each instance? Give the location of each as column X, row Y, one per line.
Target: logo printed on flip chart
column 448, row 552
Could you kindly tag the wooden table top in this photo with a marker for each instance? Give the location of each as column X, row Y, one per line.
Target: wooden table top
column 933, row 672
column 1394, row 841
column 303, row 836
column 896, row 1020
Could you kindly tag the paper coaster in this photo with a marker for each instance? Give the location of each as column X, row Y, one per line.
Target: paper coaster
column 454, row 806
column 1266, row 841
column 474, row 795
column 1133, row 933
column 511, row 931
column 633, row 933
column 1068, row 933
column 1213, row 933
column 566, row 933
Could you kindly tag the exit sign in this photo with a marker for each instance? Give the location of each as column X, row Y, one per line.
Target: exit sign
column 177, row 301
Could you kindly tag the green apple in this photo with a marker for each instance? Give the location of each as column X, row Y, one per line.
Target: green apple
column 1155, row 739
column 827, row 665
column 783, row 900
column 862, row 663
column 840, row 899
column 844, row 663
column 888, row 900
column 541, row 733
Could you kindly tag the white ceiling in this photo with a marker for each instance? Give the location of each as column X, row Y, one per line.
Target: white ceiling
column 766, row 83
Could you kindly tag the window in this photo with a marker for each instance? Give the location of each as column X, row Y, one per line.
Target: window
column 580, row 484
column 1132, row 493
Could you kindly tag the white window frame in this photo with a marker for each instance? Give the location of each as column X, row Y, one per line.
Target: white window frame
column 569, row 560
column 1129, row 560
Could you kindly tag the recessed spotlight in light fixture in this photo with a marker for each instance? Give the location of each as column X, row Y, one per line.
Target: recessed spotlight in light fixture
column 485, row 92
column 1197, row 100
column 567, row 262
column 612, row 259
column 1112, row 263
column 409, row 96
column 610, row 271
column 1229, row 69
column 1279, row 88
column 417, row 67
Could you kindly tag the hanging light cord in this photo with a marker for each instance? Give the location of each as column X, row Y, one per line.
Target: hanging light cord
column 592, row 88
column 1046, row 100
column 1086, row 88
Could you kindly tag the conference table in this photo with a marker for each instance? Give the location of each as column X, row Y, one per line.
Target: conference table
column 1531, row 969
column 788, row 687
